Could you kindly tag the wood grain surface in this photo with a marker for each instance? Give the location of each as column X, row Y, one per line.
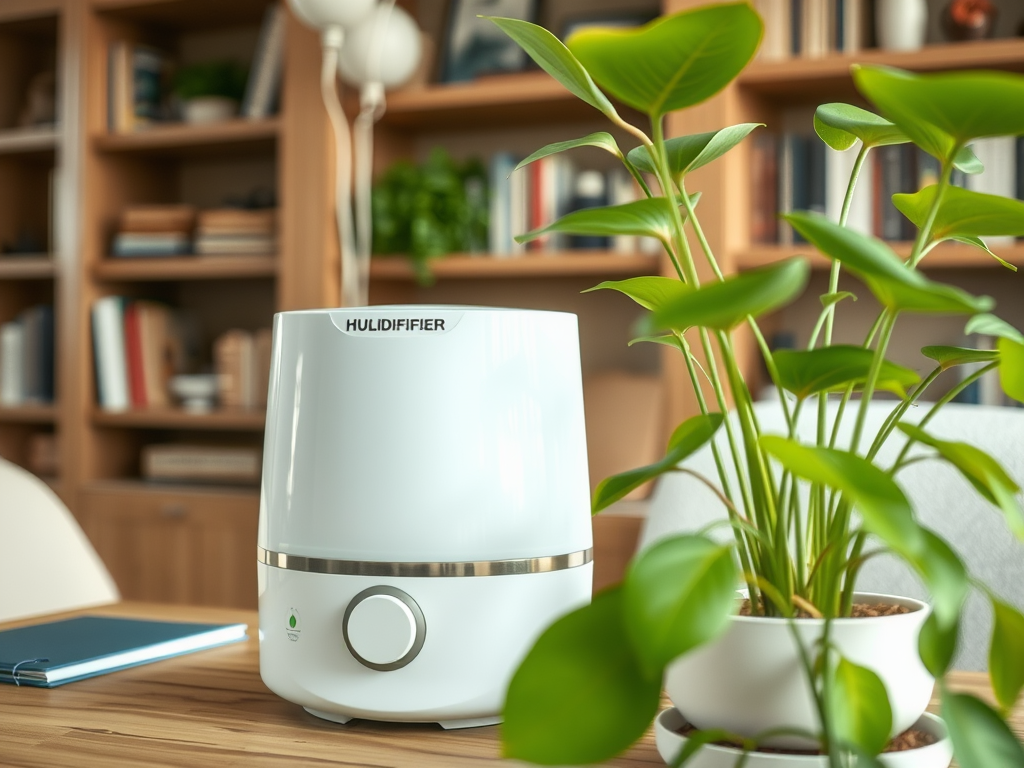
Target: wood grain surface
column 212, row 709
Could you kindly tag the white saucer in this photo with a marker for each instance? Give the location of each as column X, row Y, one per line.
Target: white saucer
column 670, row 742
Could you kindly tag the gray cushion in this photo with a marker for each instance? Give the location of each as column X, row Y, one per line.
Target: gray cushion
column 943, row 500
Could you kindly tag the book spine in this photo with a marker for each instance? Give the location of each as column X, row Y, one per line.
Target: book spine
column 265, row 73
column 764, row 204
column 12, row 342
column 133, row 356
column 46, row 353
column 786, row 182
column 801, row 177
column 108, row 338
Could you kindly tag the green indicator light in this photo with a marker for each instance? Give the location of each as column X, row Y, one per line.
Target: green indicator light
column 291, row 621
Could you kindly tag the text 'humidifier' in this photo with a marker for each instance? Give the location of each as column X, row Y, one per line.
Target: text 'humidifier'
column 424, row 512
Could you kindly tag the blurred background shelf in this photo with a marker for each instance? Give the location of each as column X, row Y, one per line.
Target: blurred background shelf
column 28, row 414
column 176, row 418
column 186, row 268
column 26, row 267
column 182, row 138
column 946, row 255
column 550, row 264
column 28, row 140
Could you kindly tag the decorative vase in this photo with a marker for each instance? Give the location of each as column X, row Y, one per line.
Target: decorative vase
column 670, row 741
column 900, row 25
column 752, row 680
column 209, row 109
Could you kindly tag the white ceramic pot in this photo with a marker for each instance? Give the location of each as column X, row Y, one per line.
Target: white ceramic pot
column 751, row 679
column 670, row 742
column 209, row 109
column 900, row 25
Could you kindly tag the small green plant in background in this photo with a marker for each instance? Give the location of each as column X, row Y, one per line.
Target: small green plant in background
column 213, row 78
column 430, row 210
column 591, row 685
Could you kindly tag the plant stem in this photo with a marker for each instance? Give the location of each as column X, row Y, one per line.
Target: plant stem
column 869, row 386
column 898, row 411
column 925, row 232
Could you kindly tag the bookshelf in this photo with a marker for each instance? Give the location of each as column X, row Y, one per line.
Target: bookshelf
column 192, row 543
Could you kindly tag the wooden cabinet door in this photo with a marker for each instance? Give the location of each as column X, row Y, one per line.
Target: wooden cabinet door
column 174, row 546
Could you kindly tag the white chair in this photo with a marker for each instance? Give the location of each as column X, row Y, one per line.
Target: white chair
column 943, row 501
column 47, row 564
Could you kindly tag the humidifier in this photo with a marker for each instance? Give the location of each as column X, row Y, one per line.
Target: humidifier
column 424, row 512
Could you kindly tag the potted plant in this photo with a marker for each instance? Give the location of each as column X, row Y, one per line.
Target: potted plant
column 592, row 683
column 209, row 92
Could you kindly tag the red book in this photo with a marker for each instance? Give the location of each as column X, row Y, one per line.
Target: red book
column 133, row 353
column 536, row 203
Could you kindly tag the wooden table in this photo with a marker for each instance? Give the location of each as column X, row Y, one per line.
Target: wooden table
column 212, row 709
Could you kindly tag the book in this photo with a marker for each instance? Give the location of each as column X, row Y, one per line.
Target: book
column 130, row 244
column 236, row 221
column 194, row 463
column 37, row 354
column 764, row 187
column 499, row 231
column 160, row 348
column 148, row 65
column 133, row 357
column 12, row 345
column 998, row 155
column 776, row 44
column 172, row 218
column 234, row 244
column 264, row 83
column 59, row 652
column 110, row 359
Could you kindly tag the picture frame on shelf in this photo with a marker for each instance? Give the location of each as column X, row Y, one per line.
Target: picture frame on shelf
column 474, row 46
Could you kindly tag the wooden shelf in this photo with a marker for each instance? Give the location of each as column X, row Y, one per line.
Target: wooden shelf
column 28, row 140
column 26, row 267
column 947, row 255
column 552, row 264
column 186, row 268
column 142, row 488
column 176, row 418
column 28, row 414
column 807, row 78
column 528, row 97
column 184, row 139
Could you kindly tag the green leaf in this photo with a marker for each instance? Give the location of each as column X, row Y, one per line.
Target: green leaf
column 579, row 696
column 678, row 594
column 555, row 59
column 977, row 242
column 828, row 299
column 807, row 372
column 990, row 325
column 950, row 357
column 861, row 712
column 727, row 303
column 687, row 438
column 944, row 575
column 942, row 112
column 675, row 61
column 874, row 262
column 649, row 292
column 967, row 161
column 1006, row 654
column 1011, row 368
column 881, row 503
column 601, row 139
column 669, row 340
column 937, row 645
column 980, row 470
column 840, row 125
column 687, row 153
column 981, row 739
column 963, row 212
column 650, row 217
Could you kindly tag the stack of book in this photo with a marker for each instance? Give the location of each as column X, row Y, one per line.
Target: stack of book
column 233, row 231
column 26, row 358
column 797, row 172
column 155, row 230
column 138, row 346
column 202, row 463
column 242, row 362
column 814, row 28
column 543, row 191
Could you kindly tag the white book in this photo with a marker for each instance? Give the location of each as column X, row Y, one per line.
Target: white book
column 999, row 156
column 838, row 167
column 776, row 16
column 518, row 187
column 265, row 73
column 111, row 362
column 12, row 375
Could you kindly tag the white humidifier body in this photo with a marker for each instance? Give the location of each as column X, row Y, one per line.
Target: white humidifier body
column 424, row 513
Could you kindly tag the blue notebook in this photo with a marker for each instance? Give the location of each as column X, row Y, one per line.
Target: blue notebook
column 47, row 655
